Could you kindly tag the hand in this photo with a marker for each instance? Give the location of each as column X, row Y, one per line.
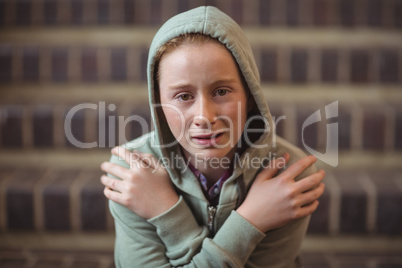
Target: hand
column 273, row 202
column 145, row 188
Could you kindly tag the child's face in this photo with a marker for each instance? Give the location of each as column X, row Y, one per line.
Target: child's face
column 203, row 99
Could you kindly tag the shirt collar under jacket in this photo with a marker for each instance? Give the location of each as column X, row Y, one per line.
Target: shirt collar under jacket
column 211, row 193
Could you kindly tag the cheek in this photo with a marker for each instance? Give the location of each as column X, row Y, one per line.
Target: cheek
column 171, row 116
column 238, row 112
column 175, row 120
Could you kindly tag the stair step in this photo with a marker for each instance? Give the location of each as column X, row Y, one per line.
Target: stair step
column 258, row 36
column 364, row 126
column 321, row 13
column 137, row 93
column 291, row 63
column 52, row 198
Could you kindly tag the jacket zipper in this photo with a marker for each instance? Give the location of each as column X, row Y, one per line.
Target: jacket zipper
column 211, row 217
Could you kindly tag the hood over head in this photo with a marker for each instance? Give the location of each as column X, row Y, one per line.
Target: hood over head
column 211, row 21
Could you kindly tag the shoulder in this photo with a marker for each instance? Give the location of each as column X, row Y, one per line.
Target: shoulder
column 283, row 146
column 144, row 144
column 295, row 153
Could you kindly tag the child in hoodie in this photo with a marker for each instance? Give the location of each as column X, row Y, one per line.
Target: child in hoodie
column 208, row 187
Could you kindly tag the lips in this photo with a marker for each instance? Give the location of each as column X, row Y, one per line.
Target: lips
column 207, row 136
column 207, row 139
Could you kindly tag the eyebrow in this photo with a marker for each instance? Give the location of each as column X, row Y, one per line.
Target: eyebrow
column 179, row 85
column 182, row 85
column 224, row 81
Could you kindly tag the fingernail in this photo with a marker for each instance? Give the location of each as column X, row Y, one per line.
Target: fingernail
column 135, row 154
column 283, row 156
column 103, row 165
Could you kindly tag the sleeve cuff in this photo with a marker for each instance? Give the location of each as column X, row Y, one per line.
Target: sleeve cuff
column 240, row 243
column 177, row 225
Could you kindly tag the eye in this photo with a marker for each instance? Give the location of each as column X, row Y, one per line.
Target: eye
column 221, row 92
column 184, row 97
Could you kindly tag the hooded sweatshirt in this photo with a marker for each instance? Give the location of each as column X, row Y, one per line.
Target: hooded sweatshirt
column 192, row 233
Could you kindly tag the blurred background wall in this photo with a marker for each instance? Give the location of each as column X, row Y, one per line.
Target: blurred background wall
column 71, row 69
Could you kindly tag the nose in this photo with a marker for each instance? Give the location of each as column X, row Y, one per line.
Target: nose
column 205, row 114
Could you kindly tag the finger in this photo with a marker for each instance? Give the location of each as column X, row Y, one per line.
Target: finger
column 125, row 154
column 114, row 196
column 111, row 183
column 273, row 167
column 310, row 182
column 312, row 195
column 116, row 170
column 308, row 209
column 298, row 167
column 134, row 157
column 147, row 159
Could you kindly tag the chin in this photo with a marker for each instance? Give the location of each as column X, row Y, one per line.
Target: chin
column 210, row 153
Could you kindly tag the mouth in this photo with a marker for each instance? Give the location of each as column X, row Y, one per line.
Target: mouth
column 207, row 139
column 208, row 136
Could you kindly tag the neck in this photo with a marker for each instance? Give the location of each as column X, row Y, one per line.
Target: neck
column 212, row 170
column 212, row 174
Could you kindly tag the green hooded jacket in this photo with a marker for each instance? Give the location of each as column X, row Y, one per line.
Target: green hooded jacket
column 193, row 234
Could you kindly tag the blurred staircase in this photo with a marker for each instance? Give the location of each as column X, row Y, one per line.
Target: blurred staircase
column 81, row 66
